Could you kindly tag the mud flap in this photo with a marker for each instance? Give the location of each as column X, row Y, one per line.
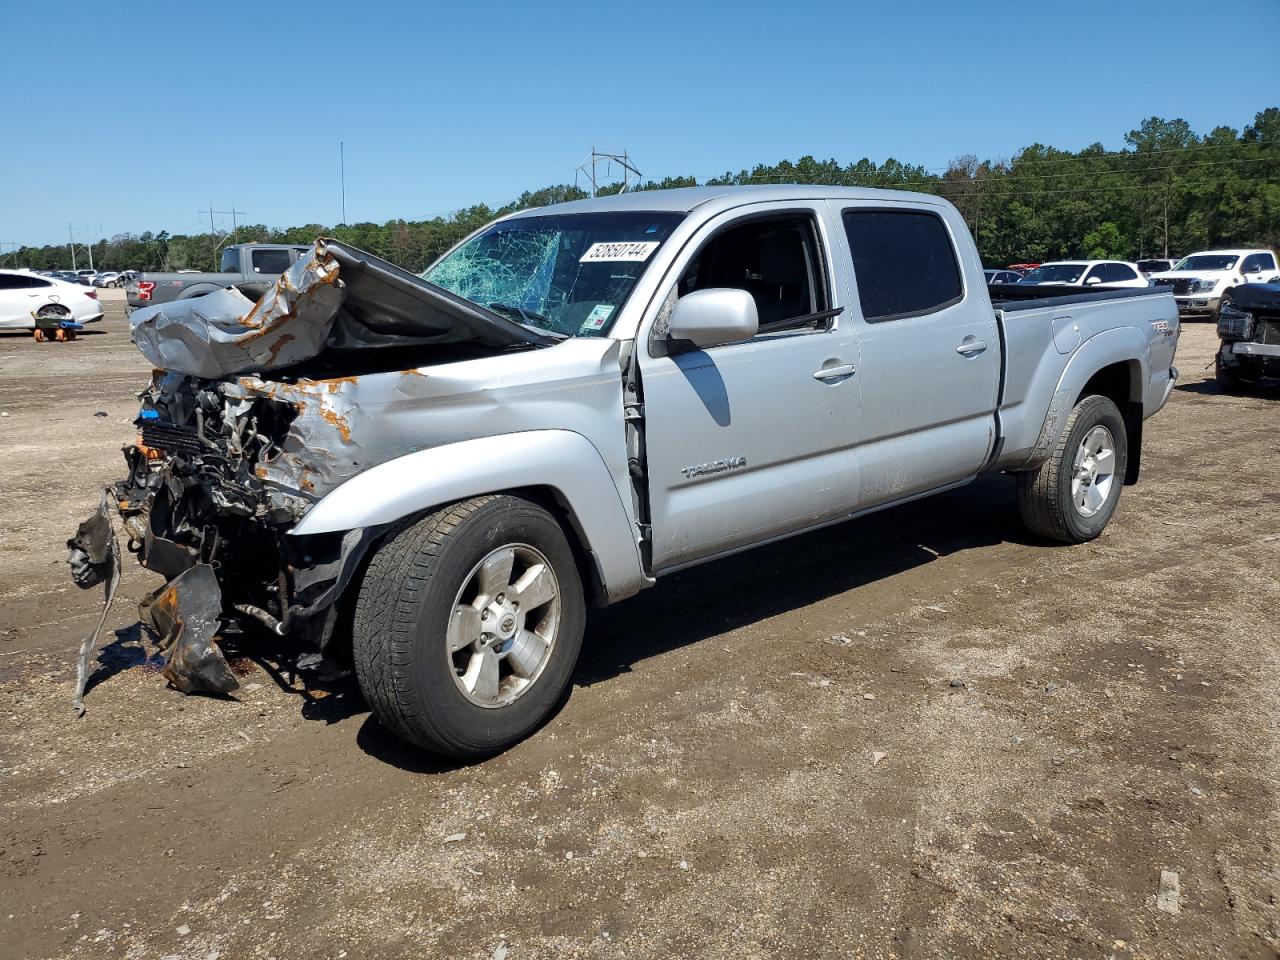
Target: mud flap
column 187, row 612
column 94, row 557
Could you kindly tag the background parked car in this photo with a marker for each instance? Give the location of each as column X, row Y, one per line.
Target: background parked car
column 1022, row 268
column 1002, row 276
column 22, row 293
column 1203, row 282
column 114, row 278
column 1087, row 273
column 1148, row 267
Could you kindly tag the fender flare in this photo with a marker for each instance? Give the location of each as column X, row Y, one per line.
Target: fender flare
column 1127, row 345
column 564, row 461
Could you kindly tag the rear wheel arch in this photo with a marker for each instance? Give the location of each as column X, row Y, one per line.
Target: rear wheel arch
column 1121, row 383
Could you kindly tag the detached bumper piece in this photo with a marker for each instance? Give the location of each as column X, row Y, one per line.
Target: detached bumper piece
column 186, row 613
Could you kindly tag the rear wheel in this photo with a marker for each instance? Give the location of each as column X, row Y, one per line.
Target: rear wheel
column 1073, row 494
column 468, row 625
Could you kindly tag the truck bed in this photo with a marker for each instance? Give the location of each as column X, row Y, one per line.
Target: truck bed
column 1040, row 332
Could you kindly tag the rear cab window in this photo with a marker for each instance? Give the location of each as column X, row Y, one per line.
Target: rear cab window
column 270, row 261
column 904, row 263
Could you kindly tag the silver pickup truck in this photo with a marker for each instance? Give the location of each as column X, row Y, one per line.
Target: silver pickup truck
column 251, row 267
column 432, row 476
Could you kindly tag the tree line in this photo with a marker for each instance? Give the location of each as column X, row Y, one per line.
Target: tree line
column 1169, row 191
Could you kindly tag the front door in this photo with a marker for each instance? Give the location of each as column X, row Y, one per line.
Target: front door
column 749, row 441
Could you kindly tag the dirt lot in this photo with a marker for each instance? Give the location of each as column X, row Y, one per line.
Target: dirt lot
column 1058, row 726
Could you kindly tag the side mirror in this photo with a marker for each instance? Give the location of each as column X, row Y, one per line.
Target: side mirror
column 1092, row 280
column 707, row 318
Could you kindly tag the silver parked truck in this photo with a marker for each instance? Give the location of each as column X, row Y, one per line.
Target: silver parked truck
column 428, row 478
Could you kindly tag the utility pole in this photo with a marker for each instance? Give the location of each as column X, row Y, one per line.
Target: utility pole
column 589, row 164
column 342, row 178
column 235, row 227
column 72, row 244
column 211, row 227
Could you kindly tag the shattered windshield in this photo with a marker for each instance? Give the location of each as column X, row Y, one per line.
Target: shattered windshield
column 567, row 273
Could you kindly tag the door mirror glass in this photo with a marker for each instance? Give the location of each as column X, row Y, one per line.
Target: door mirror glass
column 716, row 315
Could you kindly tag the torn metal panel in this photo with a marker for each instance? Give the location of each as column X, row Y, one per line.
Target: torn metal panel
column 94, row 557
column 187, row 613
column 335, row 298
column 225, row 332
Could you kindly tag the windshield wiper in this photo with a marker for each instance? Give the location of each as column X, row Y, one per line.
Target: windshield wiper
column 528, row 317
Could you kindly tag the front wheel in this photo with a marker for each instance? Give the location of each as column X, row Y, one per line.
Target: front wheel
column 468, row 625
column 1072, row 495
column 1228, row 380
column 1226, row 300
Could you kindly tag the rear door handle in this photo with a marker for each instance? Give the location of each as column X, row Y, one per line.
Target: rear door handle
column 835, row 373
column 970, row 347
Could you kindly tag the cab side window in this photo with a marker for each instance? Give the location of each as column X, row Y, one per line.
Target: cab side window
column 904, row 263
column 777, row 260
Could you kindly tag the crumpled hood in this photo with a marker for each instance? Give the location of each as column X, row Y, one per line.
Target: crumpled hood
column 1257, row 296
column 336, row 298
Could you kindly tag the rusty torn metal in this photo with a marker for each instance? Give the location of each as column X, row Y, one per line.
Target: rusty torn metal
column 187, row 613
column 225, row 332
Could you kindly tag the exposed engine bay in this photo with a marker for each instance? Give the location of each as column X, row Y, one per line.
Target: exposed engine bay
column 227, row 460
column 1249, row 329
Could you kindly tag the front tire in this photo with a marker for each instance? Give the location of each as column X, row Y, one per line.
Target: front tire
column 1072, row 495
column 1228, row 380
column 468, row 625
column 1226, row 300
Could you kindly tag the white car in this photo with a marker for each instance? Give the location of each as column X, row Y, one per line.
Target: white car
column 1087, row 273
column 1202, row 282
column 22, row 293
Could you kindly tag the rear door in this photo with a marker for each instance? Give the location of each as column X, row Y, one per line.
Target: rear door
column 930, row 350
column 749, row 441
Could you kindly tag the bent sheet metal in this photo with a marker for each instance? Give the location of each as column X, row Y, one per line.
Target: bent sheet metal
column 248, row 420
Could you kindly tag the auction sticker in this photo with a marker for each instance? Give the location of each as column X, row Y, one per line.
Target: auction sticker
column 597, row 318
column 626, row 252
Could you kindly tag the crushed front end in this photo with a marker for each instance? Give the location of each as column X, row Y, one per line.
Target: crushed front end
column 207, row 505
column 255, row 412
column 1249, row 329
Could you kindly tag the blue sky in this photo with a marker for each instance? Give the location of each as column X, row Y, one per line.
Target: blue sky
column 135, row 116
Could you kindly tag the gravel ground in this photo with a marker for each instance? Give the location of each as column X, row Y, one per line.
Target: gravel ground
column 921, row 734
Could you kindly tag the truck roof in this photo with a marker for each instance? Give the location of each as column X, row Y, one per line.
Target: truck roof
column 685, row 199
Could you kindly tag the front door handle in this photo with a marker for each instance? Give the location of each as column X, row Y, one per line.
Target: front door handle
column 970, row 347
column 835, row 373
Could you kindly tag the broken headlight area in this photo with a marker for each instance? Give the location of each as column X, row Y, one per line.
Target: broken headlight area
column 198, row 507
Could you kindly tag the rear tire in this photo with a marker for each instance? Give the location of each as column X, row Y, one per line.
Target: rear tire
column 1073, row 494
column 446, row 654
